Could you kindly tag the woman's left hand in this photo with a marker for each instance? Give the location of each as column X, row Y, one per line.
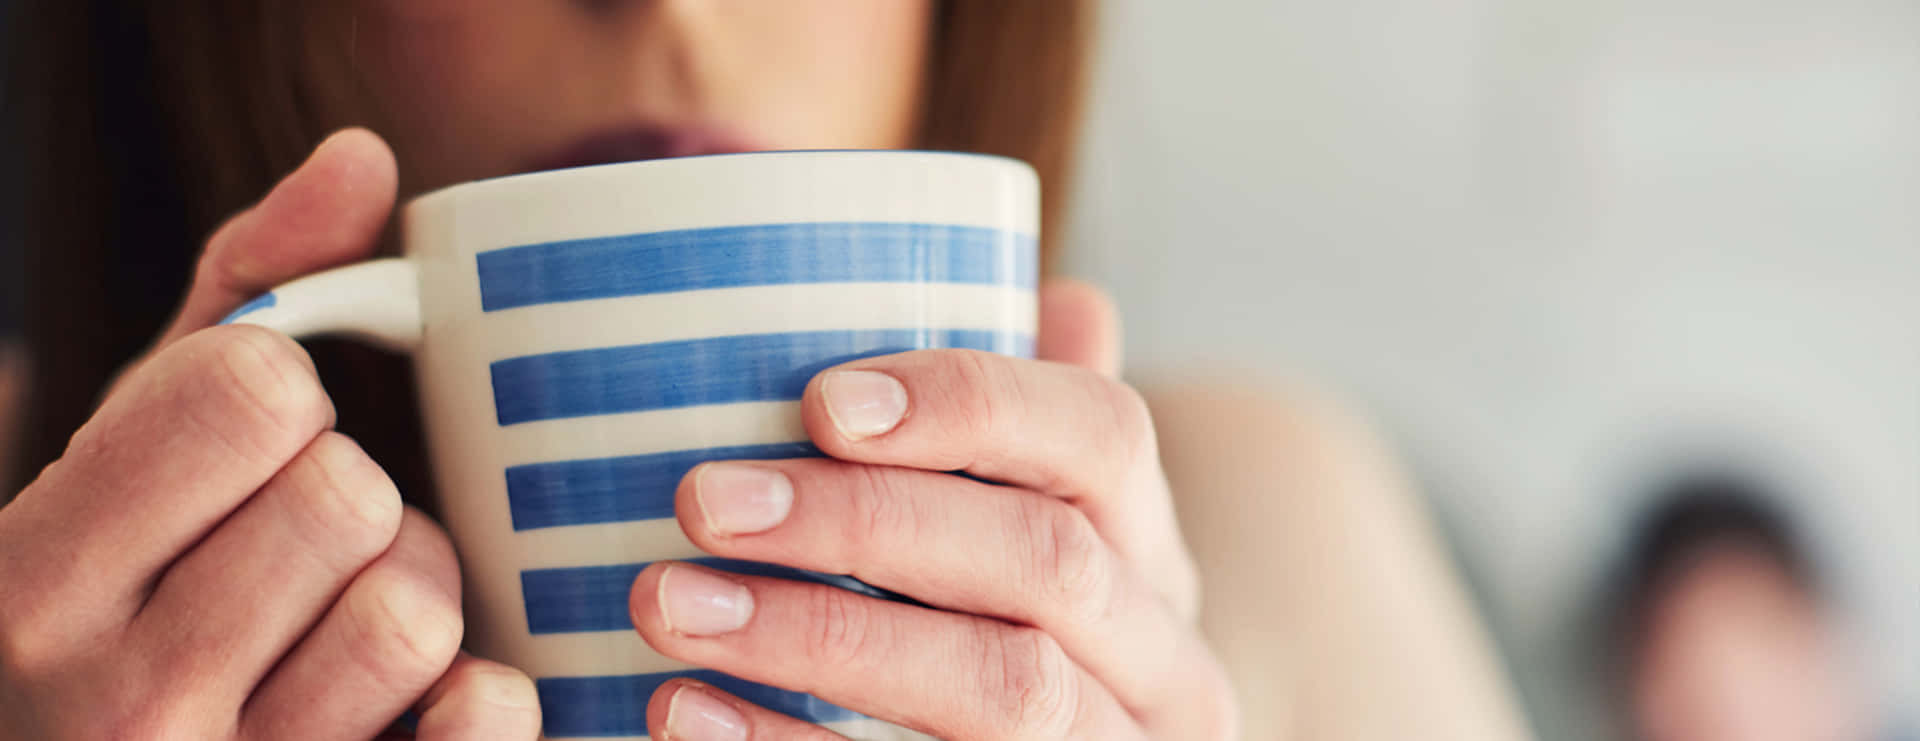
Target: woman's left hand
column 1066, row 598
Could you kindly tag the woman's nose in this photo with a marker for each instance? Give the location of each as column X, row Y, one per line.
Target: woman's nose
column 653, row 56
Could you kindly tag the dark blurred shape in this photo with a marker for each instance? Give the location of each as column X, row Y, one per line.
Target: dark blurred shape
column 12, row 282
column 1696, row 515
column 102, row 224
column 1723, row 627
column 13, row 363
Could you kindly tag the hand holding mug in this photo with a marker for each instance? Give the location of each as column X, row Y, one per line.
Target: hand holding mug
column 216, row 564
column 1062, row 596
column 208, row 560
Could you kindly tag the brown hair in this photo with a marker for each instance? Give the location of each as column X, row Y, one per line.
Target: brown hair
column 155, row 120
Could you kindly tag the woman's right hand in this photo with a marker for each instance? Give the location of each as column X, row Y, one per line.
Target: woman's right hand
column 208, row 560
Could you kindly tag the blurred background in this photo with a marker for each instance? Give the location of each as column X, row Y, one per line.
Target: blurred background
column 1558, row 249
column 11, row 270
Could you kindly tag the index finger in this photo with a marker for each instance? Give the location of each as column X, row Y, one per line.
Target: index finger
column 1053, row 428
column 328, row 211
column 1057, row 429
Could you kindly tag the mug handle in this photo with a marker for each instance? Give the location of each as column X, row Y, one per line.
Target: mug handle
column 376, row 302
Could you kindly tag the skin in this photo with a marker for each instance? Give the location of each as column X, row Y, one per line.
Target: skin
column 1330, row 596
column 213, row 562
column 524, row 80
column 1736, row 649
column 209, row 560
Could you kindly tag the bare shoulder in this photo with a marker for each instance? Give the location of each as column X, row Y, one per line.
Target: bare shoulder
column 1327, row 591
column 1249, row 460
column 1216, row 434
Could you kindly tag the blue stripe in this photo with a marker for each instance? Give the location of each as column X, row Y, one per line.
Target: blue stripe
column 593, row 598
column 622, row 489
column 617, row 706
column 718, row 370
column 263, row 301
column 763, row 254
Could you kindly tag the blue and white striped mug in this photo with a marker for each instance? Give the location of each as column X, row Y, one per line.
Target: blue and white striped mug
column 582, row 338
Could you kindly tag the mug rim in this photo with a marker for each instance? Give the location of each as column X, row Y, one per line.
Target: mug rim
column 523, row 177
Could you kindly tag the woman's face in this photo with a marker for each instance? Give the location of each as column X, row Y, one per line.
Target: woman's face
column 467, row 89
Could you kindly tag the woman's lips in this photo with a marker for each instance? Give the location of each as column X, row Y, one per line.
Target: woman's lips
column 642, row 143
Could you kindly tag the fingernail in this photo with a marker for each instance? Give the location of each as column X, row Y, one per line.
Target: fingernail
column 697, row 603
column 737, row 499
column 696, row 715
column 863, row 403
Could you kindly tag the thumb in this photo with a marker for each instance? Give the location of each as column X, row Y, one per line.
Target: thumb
column 1079, row 326
column 327, row 212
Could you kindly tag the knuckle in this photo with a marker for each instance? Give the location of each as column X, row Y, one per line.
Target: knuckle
column 230, row 268
column 1222, row 712
column 217, row 264
column 265, row 375
column 145, row 719
column 26, row 630
column 349, row 503
column 25, row 651
column 147, row 702
column 430, row 551
column 38, row 639
column 150, row 710
column 404, row 630
column 92, row 442
column 841, row 628
column 985, row 392
column 509, row 696
column 1071, row 565
column 880, row 506
column 1030, row 683
column 1131, row 423
column 1182, row 587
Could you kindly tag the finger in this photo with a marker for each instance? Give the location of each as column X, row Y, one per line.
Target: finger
column 178, row 448
column 392, row 633
column 979, row 549
column 1053, row 428
column 480, row 700
column 231, row 607
column 329, row 211
column 953, row 676
column 1079, row 326
column 686, row 710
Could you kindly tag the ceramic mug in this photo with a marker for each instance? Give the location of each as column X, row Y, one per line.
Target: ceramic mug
column 582, row 338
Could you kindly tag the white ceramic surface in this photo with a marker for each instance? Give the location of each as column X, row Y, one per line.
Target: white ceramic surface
column 579, row 331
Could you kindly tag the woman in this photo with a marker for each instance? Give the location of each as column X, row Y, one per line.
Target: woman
column 210, row 560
